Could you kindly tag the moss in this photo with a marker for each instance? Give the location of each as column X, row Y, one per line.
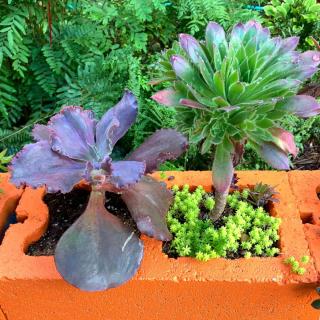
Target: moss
column 251, row 231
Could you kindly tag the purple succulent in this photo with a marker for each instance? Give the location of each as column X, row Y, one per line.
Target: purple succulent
column 98, row 251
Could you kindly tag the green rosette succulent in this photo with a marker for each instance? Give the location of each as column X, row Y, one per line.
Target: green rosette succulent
column 232, row 89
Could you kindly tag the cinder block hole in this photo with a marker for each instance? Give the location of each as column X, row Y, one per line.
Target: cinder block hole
column 318, row 192
column 11, row 219
column 307, row 218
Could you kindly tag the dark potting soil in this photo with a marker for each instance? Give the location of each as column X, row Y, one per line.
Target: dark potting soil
column 166, row 247
column 64, row 209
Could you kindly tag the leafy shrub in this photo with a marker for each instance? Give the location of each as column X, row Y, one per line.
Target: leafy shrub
column 98, row 251
column 232, row 89
column 249, row 230
column 294, row 18
column 95, row 50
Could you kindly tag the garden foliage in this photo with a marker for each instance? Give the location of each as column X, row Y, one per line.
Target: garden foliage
column 96, row 50
column 87, row 52
column 294, row 18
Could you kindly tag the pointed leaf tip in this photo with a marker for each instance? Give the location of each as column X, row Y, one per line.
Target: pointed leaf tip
column 115, row 123
column 301, row 105
column 167, row 97
column 285, row 141
column 165, row 144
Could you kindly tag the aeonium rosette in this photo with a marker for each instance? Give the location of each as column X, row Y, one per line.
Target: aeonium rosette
column 98, row 251
column 236, row 88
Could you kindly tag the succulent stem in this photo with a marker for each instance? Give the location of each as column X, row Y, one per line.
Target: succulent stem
column 220, row 204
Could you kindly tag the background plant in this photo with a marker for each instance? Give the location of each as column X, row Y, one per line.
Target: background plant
column 294, row 18
column 86, row 53
column 233, row 89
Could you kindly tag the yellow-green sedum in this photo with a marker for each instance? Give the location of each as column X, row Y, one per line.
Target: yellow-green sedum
column 248, row 232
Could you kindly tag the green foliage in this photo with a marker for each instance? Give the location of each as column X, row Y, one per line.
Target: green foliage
column 98, row 49
column 294, row 18
column 295, row 265
column 248, row 230
column 4, row 160
column 197, row 13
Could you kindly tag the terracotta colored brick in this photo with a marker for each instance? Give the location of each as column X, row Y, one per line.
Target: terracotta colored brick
column 305, row 185
column 9, row 198
column 164, row 288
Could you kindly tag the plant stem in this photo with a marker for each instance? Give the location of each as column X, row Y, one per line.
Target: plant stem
column 220, row 204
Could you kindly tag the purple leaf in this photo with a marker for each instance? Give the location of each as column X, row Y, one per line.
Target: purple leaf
column 41, row 132
column 125, row 173
column 148, row 202
column 310, row 58
column 167, row 97
column 305, row 72
column 192, row 104
column 215, row 35
column 273, row 155
column 289, row 44
column 252, row 24
column 73, row 133
column 302, row 105
column 98, row 251
column 36, row 165
column 115, row 123
column 165, row 144
column 222, row 169
column 284, row 140
column 181, row 67
column 237, row 31
column 193, row 49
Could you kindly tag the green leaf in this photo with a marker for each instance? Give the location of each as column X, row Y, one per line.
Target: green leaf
column 276, row 115
column 219, row 84
column 239, row 116
column 206, row 145
column 265, row 123
column 10, row 39
column 235, row 92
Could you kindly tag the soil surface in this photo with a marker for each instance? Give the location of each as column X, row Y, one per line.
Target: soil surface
column 64, row 209
column 310, row 158
column 166, row 248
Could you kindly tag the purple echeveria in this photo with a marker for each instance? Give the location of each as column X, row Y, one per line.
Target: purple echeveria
column 98, row 251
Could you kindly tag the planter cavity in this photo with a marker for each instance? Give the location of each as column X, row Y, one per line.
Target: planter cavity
column 255, row 288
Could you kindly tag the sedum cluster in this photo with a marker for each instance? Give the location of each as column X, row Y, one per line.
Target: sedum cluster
column 249, row 231
column 295, row 265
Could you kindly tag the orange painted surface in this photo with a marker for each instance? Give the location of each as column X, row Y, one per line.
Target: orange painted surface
column 305, row 185
column 8, row 198
column 164, row 288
